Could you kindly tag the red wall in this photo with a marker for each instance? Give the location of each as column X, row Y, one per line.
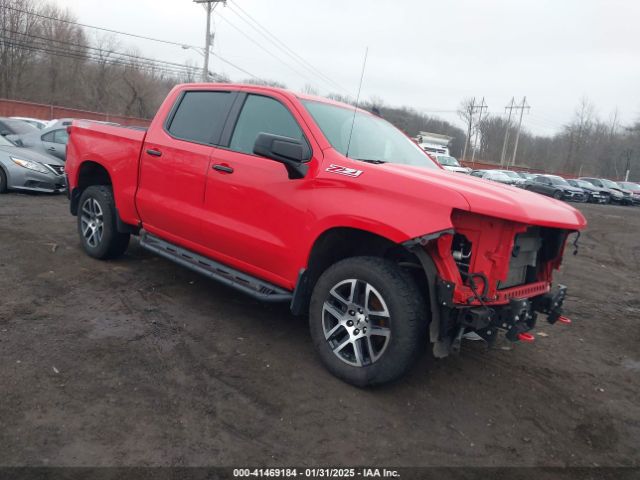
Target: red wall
column 14, row 108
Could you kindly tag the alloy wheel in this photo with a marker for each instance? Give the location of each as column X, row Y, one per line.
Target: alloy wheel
column 356, row 322
column 92, row 222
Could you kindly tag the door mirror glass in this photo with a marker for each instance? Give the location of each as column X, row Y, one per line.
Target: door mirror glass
column 289, row 151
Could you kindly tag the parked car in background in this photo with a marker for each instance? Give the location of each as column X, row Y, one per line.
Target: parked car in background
column 450, row 163
column 66, row 122
column 556, row 187
column 494, row 175
column 50, row 141
column 518, row 181
column 39, row 124
column 594, row 194
column 11, row 126
column 24, row 169
column 634, row 188
column 616, row 193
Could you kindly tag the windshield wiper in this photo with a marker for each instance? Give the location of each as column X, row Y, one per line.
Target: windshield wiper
column 368, row 160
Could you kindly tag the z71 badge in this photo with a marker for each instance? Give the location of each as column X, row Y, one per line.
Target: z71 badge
column 349, row 172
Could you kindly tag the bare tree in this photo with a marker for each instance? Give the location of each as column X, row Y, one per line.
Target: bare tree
column 310, row 89
column 466, row 112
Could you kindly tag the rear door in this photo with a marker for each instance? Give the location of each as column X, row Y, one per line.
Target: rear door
column 55, row 143
column 255, row 214
column 174, row 162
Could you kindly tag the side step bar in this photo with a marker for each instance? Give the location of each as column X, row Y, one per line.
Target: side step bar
column 252, row 286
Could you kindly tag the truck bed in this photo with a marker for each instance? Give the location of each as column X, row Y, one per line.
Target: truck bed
column 118, row 150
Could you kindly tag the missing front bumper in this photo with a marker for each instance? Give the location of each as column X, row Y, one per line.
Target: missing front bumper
column 515, row 318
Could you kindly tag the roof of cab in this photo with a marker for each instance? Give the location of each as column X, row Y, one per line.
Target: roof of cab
column 266, row 88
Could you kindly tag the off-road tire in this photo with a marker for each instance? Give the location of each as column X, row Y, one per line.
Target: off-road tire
column 112, row 243
column 408, row 319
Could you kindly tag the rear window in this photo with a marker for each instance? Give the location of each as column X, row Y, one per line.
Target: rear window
column 200, row 116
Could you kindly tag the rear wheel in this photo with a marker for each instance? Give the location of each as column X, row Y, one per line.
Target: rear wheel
column 368, row 320
column 97, row 224
column 3, row 182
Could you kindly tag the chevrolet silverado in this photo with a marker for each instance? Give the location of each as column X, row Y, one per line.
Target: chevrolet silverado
column 300, row 199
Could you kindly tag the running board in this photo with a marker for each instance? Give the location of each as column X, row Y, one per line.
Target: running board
column 233, row 278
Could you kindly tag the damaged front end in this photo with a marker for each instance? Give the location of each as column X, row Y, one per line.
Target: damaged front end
column 488, row 275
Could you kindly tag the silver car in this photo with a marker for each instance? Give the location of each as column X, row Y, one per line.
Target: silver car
column 24, row 169
column 51, row 140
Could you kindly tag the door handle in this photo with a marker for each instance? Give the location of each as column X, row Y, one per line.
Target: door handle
column 154, row 153
column 223, row 168
column 52, row 149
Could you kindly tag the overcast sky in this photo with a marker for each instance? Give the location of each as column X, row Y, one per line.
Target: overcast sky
column 422, row 53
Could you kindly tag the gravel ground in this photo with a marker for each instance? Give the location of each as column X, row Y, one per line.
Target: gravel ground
column 141, row 362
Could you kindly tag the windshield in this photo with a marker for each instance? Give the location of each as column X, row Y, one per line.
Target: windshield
column 373, row 139
column 584, row 184
column 558, row 180
column 511, row 174
column 5, row 142
column 609, row 183
column 498, row 176
column 630, row 186
column 448, row 161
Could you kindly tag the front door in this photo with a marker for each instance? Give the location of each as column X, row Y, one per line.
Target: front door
column 254, row 212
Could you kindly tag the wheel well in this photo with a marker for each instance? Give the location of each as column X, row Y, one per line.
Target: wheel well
column 91, row 173
column 339, row 243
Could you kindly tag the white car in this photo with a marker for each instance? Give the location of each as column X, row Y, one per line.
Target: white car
column 39, row 124
column 451, row 163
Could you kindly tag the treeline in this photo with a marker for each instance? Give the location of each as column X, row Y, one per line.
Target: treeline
column 58, row 62
column 46, row 57
column 587, row 145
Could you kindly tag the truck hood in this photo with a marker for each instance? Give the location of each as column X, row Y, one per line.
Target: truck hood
column 27, row 154
column 498, row 200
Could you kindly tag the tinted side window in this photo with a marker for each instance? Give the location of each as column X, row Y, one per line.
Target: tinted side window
column 262, row 115
column 201, row 116
column 48, row 137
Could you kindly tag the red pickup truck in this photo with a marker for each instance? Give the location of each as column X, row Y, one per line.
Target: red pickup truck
column 300, row 199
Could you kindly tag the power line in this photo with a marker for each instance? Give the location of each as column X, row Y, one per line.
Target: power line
column 259, row 45
column 105, row 52
column 85, row 57
column 258, row 27
column 167, row 42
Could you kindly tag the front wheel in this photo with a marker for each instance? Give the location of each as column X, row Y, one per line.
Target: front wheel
column 97, row 225
column 557, row 195
column 368, row 320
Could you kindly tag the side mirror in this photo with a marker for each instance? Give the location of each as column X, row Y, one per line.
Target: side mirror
column 4, row 133
column 18, row 142
column 289, row 151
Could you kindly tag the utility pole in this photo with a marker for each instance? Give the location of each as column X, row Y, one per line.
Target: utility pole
column 208, row 4
column 627, row 169
column 509, row 107
column 483, row 106
column 468, row 137
column 522, row 109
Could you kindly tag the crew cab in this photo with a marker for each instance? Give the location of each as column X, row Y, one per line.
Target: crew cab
column 300, row 199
